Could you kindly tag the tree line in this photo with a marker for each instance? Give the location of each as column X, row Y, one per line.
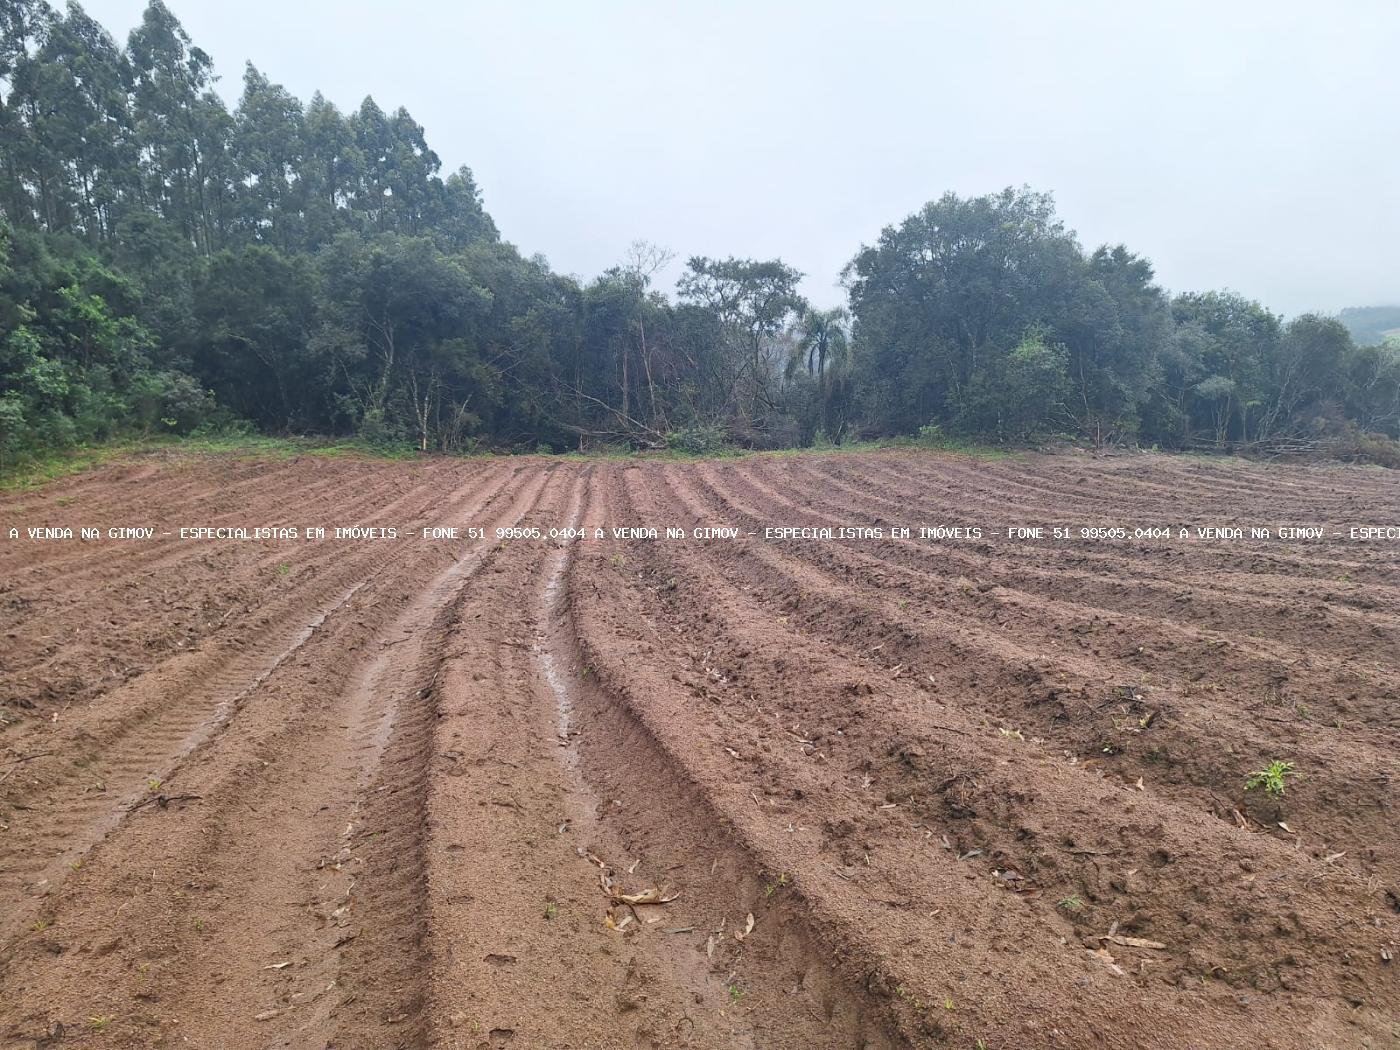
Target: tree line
column 169, row 265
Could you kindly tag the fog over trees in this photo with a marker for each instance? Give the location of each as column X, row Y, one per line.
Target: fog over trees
column 167, row 265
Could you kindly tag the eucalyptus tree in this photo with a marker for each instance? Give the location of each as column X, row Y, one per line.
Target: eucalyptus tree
column 81, row 122
column 269, row 151
column 331, row 170
column 183, row 128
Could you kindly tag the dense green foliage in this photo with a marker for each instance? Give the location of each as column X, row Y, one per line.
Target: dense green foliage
column 167, row 265
column 985, row 315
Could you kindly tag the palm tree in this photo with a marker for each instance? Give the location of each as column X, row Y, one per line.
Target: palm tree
column 826, row 351
column 823, row 338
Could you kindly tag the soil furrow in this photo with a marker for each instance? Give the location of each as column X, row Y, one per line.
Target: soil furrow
column 607, row 790
column 1094, row 707
column 225, row 909
column 949, row 483
column 143, row 732
column 154, row 611
column 1160, row 575
column 1006, row 823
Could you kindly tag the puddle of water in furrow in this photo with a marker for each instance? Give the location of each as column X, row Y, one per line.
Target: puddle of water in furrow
column 553, row 663
column 557, row 663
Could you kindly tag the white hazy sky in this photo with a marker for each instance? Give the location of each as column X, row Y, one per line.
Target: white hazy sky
column 1248, row 145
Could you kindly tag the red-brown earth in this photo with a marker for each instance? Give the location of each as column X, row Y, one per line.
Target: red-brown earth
column 960, row 792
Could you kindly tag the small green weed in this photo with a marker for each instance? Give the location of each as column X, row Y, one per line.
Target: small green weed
column 1270, row 778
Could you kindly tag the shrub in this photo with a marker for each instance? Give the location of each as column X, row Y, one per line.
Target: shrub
column 698, row 440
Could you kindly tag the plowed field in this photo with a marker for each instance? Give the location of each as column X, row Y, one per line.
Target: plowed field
column 965, row 792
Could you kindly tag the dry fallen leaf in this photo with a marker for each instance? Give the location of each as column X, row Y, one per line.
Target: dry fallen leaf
column 612, row 922
column 748, row 928
column 1104, row 954
column 654, row 895
column 1134, row 942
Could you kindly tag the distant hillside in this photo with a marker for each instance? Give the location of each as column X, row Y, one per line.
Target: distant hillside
column 1372, row 324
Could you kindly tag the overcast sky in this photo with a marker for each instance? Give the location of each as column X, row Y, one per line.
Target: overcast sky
column 1254, row 146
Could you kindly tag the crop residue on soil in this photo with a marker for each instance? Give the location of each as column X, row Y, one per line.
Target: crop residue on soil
column 739, row 792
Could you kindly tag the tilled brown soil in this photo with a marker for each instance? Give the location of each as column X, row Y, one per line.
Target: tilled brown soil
column 902, row 792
